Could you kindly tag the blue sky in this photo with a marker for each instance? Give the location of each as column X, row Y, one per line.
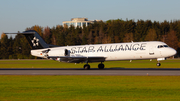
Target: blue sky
column 17, row 15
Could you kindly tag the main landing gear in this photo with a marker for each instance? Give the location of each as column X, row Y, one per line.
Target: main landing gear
column 101, row 66
column 87, row 66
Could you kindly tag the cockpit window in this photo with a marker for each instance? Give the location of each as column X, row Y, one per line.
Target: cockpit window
column 162, row 46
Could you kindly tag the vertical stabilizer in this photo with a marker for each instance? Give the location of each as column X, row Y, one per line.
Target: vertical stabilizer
column 34, row 39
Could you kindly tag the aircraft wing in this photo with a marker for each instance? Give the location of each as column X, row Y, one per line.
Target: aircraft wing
column 78, row 59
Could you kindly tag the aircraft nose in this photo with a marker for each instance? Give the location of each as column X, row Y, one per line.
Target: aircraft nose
column 173, row 52
column 168, row 52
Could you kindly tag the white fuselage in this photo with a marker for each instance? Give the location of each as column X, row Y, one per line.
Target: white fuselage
column 115, row 51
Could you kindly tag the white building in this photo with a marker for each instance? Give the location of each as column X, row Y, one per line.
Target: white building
column 79, row 22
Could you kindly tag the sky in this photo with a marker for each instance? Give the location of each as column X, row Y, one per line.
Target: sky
column 17, row 15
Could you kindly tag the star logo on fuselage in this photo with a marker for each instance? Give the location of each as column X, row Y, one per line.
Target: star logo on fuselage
column 35, row 41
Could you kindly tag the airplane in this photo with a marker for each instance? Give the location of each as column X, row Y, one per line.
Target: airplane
column 98, row 52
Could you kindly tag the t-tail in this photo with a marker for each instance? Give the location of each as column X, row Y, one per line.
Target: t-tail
column 34, row 39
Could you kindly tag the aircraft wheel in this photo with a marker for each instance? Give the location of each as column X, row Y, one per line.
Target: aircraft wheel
column 87, row 66
column 158, row 64
column 101, row 66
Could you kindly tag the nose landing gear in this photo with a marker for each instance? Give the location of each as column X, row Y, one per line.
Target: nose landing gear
column 160, row 59
column 158, row 64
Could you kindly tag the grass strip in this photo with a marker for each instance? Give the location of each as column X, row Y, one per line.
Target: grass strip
column 108, row 64
column 89, row 88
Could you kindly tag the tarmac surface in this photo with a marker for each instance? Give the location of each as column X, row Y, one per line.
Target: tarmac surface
column 92, row 71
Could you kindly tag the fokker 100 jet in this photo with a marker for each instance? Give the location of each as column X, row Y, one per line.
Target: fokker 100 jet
column 98, row 52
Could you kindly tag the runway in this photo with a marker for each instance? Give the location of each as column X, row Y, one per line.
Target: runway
column 80, row 71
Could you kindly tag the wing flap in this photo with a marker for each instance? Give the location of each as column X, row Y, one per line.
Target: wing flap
column 78, row 59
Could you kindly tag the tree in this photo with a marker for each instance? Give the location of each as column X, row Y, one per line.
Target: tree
column 90, row 38
column 101, row 34
column 47, row 35
column 70, row 37
column 139, row 30
column 151, row 35
column 84, row 38
column 37, row 28
column 178, row 30
column 0, row 51
column 21, row 47
column 165, row 27
column 60, row 36
column 172, row 39
column 112, row 31
column 4, row 38
column 106, row 39
column 128, row 37
column 10, row 48
column 17, row 48
column 4, row 46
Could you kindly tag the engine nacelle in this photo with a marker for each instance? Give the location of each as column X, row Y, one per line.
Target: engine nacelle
column 62, row 52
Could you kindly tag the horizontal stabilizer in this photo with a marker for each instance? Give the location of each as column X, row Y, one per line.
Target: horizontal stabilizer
column 34, row 39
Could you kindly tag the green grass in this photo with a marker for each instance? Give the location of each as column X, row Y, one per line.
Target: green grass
column 108, row 64
column 89, row 88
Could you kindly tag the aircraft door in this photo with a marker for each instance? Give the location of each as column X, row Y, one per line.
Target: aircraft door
column 151, row 51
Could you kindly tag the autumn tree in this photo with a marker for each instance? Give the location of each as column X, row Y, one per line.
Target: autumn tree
column 4, row 46
column 151, row 35
column 37, row 28
column 4, row 38
column 128, row 37
column 172, row 39
column 106, row 39
column 112, row 31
